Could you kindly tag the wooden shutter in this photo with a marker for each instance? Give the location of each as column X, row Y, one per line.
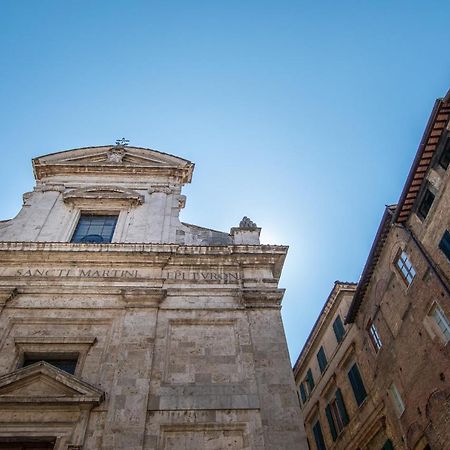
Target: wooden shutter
column 357, row 384
column 341, row 407
column 331, row 422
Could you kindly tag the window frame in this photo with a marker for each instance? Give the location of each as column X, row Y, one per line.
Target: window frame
column 444, row 244
column 337, row 416
column 424, row 205
column 397, row 399
column 84, row 213
column 318, row 435
column 440, row 318
column 401, row 262
column 374, row 336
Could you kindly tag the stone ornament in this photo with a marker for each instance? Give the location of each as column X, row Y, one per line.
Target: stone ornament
column 115, row 155
column 247, row 223
column 162, row 188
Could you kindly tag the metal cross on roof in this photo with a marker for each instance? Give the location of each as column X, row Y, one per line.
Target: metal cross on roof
column 122, row 142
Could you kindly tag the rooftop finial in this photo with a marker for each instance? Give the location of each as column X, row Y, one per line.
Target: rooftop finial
column 122, row 142
column 246, row 223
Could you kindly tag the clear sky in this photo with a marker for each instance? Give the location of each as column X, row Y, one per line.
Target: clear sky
column 304, row 116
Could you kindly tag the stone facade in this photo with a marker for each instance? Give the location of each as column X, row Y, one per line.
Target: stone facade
column 174, row 330
column 399, row 319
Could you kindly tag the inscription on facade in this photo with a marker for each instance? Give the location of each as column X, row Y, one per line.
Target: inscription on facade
column 176, row 275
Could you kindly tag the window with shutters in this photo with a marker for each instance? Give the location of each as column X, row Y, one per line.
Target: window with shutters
column 405, row 268
column 357, row 384
column 94, row 229
column 322, row 360
column 374, row 336
column 318, row 436
column 397, row 399
column 444, row 244
column 337, row 416
column 310, row 380
column 425, row 204
column 338, row 329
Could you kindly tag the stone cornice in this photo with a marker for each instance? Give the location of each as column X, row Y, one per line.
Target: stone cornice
column 262, row 298
column 156, row 254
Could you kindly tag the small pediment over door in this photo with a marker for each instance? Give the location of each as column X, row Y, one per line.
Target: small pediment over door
column 43, row 383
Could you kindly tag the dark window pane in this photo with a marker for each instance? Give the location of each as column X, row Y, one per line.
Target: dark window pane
column 303, row 393
column 388, row 445
column 338, row 328
column 310, row 380
column 318, row 436
column 66, row 364
column 444, row 160
column 322, row 359
column 444, row 245
column 425, row 204
column 94, row 229
column 357, row 384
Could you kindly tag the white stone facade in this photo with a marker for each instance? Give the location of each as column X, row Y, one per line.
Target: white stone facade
column 175, row 329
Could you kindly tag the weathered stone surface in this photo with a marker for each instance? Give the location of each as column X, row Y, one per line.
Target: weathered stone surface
column 177, row 327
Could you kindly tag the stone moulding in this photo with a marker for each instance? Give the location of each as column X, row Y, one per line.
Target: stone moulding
column 262, row 298
column 143, row 297
column 67, row 389
column 103, row 195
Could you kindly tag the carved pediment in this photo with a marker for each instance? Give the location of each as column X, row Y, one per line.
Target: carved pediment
column 44, row 383
column 113, row 160
column 103, row 194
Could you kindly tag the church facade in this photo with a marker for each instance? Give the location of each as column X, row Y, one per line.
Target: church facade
column 123, row 328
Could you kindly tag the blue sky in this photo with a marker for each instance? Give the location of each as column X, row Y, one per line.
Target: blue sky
column 304, row 116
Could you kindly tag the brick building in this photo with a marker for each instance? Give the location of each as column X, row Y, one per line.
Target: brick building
column 123, row 328
column 399, row 315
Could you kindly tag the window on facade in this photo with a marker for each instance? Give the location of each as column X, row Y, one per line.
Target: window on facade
column 68, row 363
column 405, row 268
column 93, row 228
column 322, row 359
column 339, row 329
column 444, row 245
column 36, row 444
column 318, row 436
column 441, row 322
column 310, row 380
column 336, row 415
column 388, row 445
column 425, row 204
column 303, row 393
column 444, row 160
column 357, row 384
column 374, row 336
column 397, row 399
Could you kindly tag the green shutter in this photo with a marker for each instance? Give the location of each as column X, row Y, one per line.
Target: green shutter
column 357, row 384
column 338, row 328
column 318, row 436
column 388, row 445
column 331, row 422
column 310, row 379
column 322, row 359
column 303, row 393
column 341, row 407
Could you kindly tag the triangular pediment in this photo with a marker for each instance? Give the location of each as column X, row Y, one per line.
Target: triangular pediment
column 114, row 159
column 44, row 383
